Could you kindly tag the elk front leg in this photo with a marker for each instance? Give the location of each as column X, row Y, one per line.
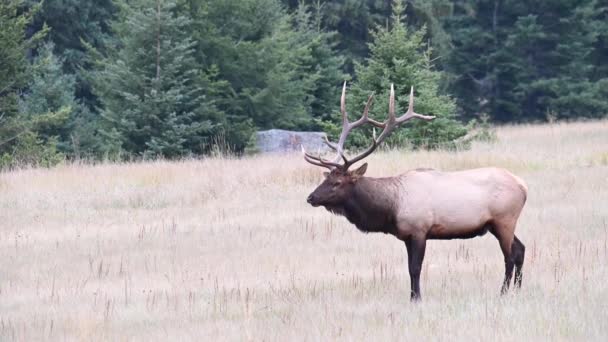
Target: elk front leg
column 415, row 256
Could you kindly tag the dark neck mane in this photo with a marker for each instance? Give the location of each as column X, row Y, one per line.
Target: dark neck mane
column 372, row 205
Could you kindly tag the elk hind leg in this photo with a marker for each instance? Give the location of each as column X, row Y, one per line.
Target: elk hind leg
column 505, row 238
column 518, row 251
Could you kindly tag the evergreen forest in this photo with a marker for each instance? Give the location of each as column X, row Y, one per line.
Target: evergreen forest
column 132, row 79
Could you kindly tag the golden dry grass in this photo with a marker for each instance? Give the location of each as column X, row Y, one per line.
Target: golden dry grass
column 223, row 249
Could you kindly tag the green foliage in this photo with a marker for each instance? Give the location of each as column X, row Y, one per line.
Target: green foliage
column 31, row 146
column 53, row 91
column 324, row 66
column 302, row 76
column 519, row 61
column 30, row 150
column 156, row 99
column 25, row 126
column 228, row 68
column 281, row 68
column 74, row 24
column 49, row 88
column 483, row 129
column 430, row 13
column 15, row 70
column 252, row 145
column 352, row 20
column 71, row 23
column 400, row 56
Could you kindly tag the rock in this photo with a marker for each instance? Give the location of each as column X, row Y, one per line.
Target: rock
column 278, row 140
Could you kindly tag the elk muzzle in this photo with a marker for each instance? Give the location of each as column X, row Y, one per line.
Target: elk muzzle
column 312, row 200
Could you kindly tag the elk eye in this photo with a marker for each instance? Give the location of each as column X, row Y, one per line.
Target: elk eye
column 337, row 183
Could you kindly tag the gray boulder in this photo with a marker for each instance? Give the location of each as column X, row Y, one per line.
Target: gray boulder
column 278, row 140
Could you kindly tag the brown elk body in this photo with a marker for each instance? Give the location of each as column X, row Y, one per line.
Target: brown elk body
column 424, row 204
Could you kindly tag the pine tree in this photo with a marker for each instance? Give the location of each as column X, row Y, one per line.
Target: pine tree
column 156, row 99
column 48, row 104
column 73, row 24
column 228, row 37
column 68, row 126
column 325, row 65
column 528, row 61
column 50, row 90
column 577, row 88
column 281, row 68
column 22, row 139
column 15, row 69
column 399, row 56
column 303, row 74
column 353, row 20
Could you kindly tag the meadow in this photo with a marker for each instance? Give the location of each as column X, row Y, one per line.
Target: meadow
column 228, row 249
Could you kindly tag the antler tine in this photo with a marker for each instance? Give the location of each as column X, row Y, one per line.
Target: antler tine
column 325, row 163
column 343, row 105
column 391, row 104
column 331, row 145
column 410, row 114
column 365, row 117
column 315, row 163
column 339, row 147
column 318, row 161
column 370, row 99
column 410, row 107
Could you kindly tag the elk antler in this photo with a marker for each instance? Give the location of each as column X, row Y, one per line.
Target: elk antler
column 320, row 161
column 387, row 128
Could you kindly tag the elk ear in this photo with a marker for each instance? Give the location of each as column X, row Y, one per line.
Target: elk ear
column 326, row 174
column 360, row 171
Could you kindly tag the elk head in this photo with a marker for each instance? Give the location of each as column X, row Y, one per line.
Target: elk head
column 336, row 188
column 339, row 183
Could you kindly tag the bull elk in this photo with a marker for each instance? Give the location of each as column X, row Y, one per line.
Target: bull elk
column 421, row 204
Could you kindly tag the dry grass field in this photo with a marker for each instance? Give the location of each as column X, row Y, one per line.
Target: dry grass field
column 228, row 249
